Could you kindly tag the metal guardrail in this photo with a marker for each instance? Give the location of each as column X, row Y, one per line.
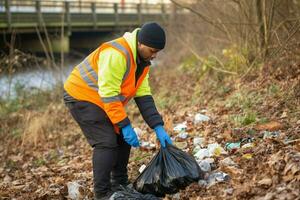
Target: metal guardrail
column 20, row 14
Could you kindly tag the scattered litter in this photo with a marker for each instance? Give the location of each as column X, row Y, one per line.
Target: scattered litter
column 180, row 127
column 203, row 111
column 198, row 141
column 229, row 191
column 217, row 177
column 210, row 160
column 232, row 146
column 215, row 150
column 200, row 118
column 202, row 183
column 205, row 166
column 196, row 149
column 201, row 154
column 75, row 190
column 268, row 134
column 214, row 178
column 228, row 162
column 181, row 145
column 141, row 169
column 147, row 145
column 183, row 135
column 247, row 156
column 248, row 145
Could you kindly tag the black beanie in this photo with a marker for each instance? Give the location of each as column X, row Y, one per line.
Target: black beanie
column 152, row 35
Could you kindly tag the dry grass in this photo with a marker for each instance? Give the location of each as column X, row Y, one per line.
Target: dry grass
column 38, row 126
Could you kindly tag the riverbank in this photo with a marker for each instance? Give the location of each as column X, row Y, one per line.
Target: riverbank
column 43, row 149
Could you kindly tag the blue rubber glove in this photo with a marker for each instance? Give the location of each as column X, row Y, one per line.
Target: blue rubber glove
column 162, row 135
column 130, row 136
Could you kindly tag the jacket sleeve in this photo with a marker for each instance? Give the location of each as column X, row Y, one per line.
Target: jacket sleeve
column 111, row 69
column 149, row 111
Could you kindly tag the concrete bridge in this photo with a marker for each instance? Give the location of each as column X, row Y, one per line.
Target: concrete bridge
column 71, row 24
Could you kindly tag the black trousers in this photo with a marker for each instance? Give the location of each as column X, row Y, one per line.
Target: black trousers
column 110, row 151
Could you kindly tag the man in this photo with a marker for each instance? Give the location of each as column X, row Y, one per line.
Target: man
column 97, row 91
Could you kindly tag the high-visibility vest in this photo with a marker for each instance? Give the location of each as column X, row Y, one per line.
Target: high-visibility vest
column 82, row 84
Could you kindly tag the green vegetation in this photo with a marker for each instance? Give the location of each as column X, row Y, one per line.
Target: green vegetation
column 30, row 99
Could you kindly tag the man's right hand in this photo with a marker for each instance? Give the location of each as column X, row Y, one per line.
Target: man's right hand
column 130, row 136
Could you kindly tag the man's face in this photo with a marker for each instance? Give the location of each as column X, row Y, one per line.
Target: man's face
column 147, row 53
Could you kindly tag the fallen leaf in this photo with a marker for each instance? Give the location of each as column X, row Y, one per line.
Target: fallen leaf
column 270, row 126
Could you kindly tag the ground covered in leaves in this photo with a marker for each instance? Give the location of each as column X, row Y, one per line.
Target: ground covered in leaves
column 43, row 152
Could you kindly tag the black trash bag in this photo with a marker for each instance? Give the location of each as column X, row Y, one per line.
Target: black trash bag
column 170, row 170
column 129, row 193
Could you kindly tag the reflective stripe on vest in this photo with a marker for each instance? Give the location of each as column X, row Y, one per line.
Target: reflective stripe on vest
column 113, row 99
column 85, row 68
column 128, row 62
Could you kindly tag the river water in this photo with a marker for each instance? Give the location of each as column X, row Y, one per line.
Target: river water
column 42, row 78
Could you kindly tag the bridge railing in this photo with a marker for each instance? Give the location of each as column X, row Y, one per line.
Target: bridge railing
column 29, row 13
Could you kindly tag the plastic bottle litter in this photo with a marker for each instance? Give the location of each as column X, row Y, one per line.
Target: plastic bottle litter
column 205, row 166
column 74, row 190
column 198, row 141
column 180, row 127
column 200, row 118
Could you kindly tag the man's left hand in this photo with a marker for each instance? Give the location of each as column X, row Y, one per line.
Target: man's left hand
column 162, row 135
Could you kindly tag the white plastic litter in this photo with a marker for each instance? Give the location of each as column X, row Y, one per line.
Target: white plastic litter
column 74, row 190
column 183, row 135
column 198, row 141
column 201, row 154
column 180, row 127
column 215, row 149
column 210, row 160
column 228, row 162
column 142, row 168
column 196, row 149
column 205, row 166
column 217, row 177
column 201, row 118
column 147, row 145
column 248, row 145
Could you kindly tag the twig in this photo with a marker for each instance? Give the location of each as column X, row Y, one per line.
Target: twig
column 201, row 59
